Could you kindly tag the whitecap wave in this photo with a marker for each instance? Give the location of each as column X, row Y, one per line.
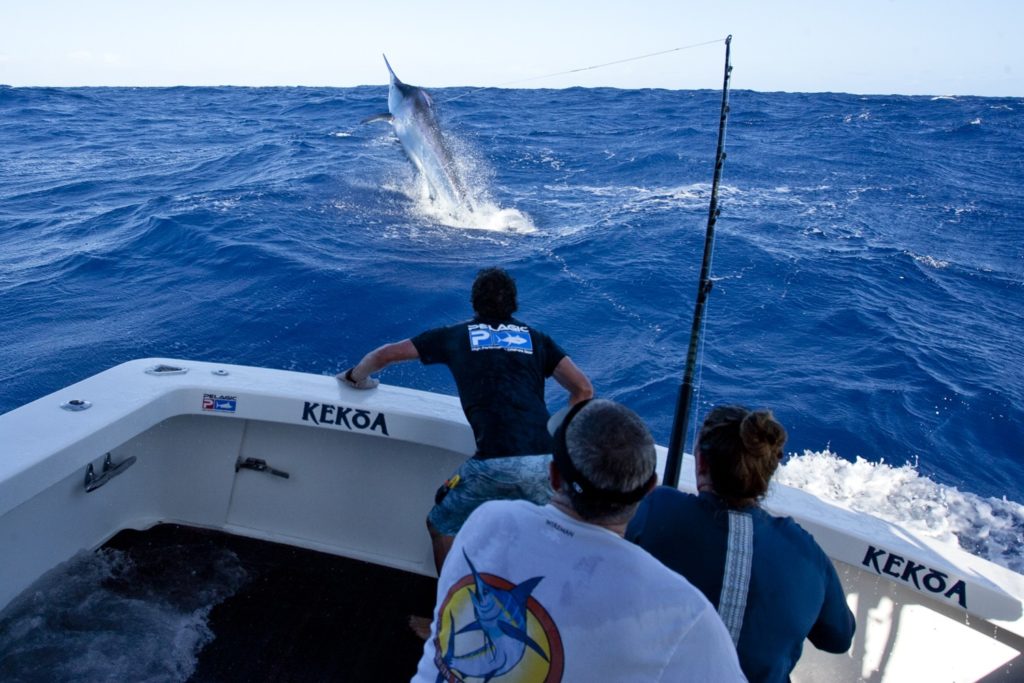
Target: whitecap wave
column 929, row 261
column 991, row 528
column 863, row 116
column 637, row 199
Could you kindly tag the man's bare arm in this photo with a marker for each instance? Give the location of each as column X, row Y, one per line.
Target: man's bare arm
column 573, row 380
column 377, row 360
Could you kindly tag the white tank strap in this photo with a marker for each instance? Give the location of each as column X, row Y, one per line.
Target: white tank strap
column 739, row 555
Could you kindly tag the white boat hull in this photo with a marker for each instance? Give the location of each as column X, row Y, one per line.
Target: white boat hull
column 362, row 470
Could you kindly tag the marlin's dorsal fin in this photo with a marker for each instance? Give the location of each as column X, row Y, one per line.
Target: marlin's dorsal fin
column 521, row 592
column 481, row 587
column 384, row 116
column 390, row 70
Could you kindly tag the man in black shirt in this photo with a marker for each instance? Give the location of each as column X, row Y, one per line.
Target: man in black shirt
column 499, row 365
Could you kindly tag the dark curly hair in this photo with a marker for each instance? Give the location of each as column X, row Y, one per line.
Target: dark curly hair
column 742, row 449
column 494, row 294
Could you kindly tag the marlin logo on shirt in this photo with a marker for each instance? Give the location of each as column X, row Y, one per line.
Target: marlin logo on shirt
column 504, row 623
column 508, row 337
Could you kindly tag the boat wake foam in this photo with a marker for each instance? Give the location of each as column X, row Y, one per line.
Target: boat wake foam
column 991, row 528
column 102, row 617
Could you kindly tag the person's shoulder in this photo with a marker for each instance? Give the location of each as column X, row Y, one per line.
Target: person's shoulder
column 669, row 493
column 788, row 528
column 442, row 331
column 786, row 525
column 659, row 512
column 533, row 329
column 434, row 331
column 494, row 507
column 522, row 325
column 497, row 509
column 668, row 499
column 652, row 574
column 495, row 517
column 457, row 325
column 678, row 596
column 505, row 505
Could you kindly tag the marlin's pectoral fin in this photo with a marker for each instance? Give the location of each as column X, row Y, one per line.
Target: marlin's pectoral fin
column 521, row 635
column 385, row 116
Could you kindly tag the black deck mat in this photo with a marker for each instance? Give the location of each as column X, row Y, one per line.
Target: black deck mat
column 303, row 615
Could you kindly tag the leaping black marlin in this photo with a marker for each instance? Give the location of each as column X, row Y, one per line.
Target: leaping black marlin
column 411, row 112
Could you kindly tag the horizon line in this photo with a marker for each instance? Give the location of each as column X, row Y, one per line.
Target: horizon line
column 495, row 87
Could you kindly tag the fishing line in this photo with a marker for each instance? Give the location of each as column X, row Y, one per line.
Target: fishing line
column 695, row 417
column 584, row 68
column 550, row 253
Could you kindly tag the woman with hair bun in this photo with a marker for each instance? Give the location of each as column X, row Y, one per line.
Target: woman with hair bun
column 771, row 583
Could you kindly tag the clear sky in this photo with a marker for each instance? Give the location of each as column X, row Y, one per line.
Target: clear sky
column 913, row 47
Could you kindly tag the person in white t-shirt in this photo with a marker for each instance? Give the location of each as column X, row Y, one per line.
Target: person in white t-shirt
column 555, row 593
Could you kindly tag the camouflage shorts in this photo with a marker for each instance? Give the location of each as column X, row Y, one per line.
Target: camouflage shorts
column 518, row 477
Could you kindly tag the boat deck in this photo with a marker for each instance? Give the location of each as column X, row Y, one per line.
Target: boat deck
column 302, row 615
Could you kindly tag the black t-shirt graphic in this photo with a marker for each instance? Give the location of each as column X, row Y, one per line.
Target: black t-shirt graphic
column 499, row 368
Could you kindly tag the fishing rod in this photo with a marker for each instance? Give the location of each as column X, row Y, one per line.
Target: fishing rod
column 682, row 416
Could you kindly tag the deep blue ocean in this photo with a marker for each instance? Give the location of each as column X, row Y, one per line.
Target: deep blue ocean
column 869, row 259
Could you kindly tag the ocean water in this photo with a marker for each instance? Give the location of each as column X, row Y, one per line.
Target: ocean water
column 118, row 616
column 869, row 261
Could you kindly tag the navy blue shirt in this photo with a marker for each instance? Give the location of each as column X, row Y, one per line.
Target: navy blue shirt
column 794, row 589
column 499, row 368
